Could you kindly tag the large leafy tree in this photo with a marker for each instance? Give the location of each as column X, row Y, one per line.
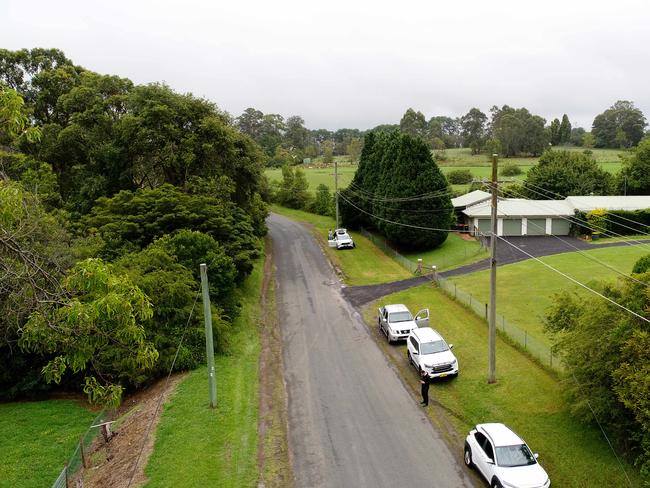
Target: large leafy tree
column 518, row 131
column 565, row 130
column 98, row 332
column 606, row 350
column 473, row 129
column 413, row 123
column 621, row 125
column 634, row 178
column 566, row 173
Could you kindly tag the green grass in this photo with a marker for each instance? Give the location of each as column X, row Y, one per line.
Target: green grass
column 525, row 397
column 197, row 446
column 363, row 265
column 454, row 252
column 38, row 438
column 525, row 289
column 459, row 158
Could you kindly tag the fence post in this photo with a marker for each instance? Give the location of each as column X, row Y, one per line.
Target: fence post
column 525, row 340
column 66, row 475
column 433, row 269
column 551, row 359
column 455, row 294
column 486, row 311
column 84, row 462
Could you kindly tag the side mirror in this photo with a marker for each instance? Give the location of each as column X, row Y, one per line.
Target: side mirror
column 490, row 461
column 536, row 456
column 415, row 353
column 451, row 346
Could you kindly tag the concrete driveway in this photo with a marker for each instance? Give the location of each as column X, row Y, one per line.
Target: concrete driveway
column 352, row 423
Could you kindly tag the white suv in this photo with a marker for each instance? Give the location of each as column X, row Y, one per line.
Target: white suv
column 428, row 351
column 503, row 458
column 396, row 322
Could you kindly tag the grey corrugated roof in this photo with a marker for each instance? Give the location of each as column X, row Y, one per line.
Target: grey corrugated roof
column 470, row 198
column 618, row 202
column 522, row 208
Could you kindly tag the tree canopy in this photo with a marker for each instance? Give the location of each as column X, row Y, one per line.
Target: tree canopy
column 621, row 125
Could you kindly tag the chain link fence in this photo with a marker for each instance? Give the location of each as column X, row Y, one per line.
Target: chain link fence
column 539, row 350
column 80, row 458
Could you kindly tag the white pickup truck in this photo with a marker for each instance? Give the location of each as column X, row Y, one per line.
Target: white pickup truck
column 396, row 322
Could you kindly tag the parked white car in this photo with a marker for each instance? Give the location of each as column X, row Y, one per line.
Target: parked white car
column 428, row 351
column 342, row 239
column 503, row 458
column 396, row 322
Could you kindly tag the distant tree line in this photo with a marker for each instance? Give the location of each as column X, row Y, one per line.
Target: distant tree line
column 111, row 195
column 507, row 131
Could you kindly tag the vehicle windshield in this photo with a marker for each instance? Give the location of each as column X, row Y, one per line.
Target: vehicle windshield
column 511, row 456
column 343, row 236
column 400, row 317
column 433, row 347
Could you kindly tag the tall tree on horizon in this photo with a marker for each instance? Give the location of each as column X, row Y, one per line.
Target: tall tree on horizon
column 473, row 129
column 565, row 130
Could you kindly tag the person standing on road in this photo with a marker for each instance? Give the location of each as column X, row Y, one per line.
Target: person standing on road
column 330, row 235
column 425, row 381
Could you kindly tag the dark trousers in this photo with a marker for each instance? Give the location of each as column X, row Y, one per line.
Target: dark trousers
column 425, row 392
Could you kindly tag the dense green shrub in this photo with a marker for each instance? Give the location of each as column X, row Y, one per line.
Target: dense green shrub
column 642, row 265
column 510, row 169
column 323, row 203
column 460, row 177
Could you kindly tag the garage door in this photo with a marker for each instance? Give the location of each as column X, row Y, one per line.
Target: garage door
column 560, row 227
column 536, row 227
column 511, row 227
column 484, row 226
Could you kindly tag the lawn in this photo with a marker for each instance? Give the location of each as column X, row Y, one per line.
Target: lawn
column 525, row 306
column 364, row 265
column 454, row 252
column 197, row 446
column 525, row 397
column 460, row 158
column 38, row 438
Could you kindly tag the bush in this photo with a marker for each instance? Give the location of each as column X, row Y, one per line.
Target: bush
column 510, row 169
column 642, row 265
column 323, row 203
column 460, row 177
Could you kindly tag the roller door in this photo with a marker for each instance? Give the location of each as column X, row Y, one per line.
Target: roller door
column 560, row 227
column 484, row 226
column 511, row 227
column 536, row 227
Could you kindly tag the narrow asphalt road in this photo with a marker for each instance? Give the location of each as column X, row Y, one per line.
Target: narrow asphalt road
column 352, row 423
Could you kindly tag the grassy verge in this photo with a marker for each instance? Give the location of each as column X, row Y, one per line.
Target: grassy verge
column 454, row 252
column 38, row 438
column 526, row 397
column 525, row 306
column 363, row 265
column 197, row 446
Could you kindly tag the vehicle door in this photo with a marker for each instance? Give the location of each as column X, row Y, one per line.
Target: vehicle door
column 414, row 349
column 422, row 318
column 484, row 458
column 383, row 316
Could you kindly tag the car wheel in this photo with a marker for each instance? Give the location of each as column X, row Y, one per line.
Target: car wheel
column 496, row 484
column 468, row 457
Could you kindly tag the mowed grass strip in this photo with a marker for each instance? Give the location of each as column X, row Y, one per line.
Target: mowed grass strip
column 366, row 264
column 196, row 446
column 38, row 438
column 454, row 252
column 526, row 397
column 525, row 290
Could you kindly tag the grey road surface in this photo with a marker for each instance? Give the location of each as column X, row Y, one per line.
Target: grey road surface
column 351, row 421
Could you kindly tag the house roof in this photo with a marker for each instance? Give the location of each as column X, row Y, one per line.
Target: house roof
column 620, row 202
column 518, row 207
column 471, row 198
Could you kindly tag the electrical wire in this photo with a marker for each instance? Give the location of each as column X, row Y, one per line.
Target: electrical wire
column 171, row 368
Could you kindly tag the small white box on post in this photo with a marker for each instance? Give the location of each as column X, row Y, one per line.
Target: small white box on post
column 419, row 268
column 434, row 274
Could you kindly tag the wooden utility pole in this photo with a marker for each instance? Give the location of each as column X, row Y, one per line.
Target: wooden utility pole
column 336, row 190
column 492, row 355
column 209, row 344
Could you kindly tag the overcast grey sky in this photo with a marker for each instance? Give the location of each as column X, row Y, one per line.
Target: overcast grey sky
column 358, row 63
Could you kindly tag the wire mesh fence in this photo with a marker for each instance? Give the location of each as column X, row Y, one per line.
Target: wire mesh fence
column 539, row 350
column 81, row 455
column 532, row 345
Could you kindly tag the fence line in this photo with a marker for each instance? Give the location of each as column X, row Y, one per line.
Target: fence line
column 539, row 350
column 83, row 449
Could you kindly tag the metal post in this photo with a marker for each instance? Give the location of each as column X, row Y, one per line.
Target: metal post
column 336, row 190
column 209, row 346
column 492, row 356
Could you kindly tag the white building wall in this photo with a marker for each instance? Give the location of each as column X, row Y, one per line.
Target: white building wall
column 524, row 226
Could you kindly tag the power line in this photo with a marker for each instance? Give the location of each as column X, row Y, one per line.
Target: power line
column 171, row 368
column 571, row 278
column 406, row 210
column 421, row 196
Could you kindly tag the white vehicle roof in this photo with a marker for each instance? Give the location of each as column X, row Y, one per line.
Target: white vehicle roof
column 426, row 334
column 397, row 307
column 500, row 434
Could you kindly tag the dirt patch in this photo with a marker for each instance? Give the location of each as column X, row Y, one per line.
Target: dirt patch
column 112, row 463
column 465, row 236
column 273, row 459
